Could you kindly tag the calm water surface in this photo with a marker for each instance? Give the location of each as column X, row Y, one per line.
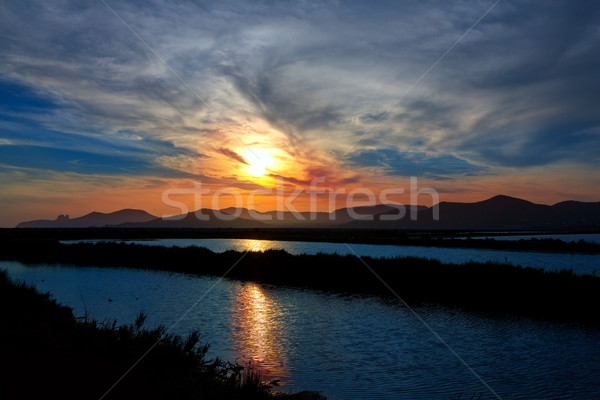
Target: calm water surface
column 348, row 347
column 579, row 263
column 566, row 237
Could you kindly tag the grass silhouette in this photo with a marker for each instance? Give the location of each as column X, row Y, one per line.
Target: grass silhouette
column 47, row 353
column 444, row 238
column 486, row 287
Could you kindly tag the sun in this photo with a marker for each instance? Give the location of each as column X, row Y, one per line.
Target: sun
column 257, row 168
column 259, row 162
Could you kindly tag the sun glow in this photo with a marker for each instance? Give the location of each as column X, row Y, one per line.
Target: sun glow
column 259, row 161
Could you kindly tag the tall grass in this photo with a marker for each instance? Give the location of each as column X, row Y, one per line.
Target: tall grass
column 486, row 287
column 46, row 353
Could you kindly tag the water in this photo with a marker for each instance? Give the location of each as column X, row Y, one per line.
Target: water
column 579, row 263
column 349, row 347
column 565, row 237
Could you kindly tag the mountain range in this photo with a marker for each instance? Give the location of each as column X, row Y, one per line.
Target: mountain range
column 499, row 212
column 93, row 219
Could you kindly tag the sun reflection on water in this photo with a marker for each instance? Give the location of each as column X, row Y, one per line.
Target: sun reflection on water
column 256, row 245
column 259, row 332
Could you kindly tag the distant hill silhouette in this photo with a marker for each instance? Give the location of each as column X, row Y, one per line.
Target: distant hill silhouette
column 499, row 212
column 316, row 219
column 270, row 219
column 93, row 219
column 193, row 220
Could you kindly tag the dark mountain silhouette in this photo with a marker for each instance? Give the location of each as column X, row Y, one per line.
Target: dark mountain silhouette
column 281, row 218
column 203, row 218
column 499, row 212
column 243, row 218
column 374, row 213
column 93, row 219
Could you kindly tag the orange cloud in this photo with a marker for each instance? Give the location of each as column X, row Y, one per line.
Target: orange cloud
column 231, row 154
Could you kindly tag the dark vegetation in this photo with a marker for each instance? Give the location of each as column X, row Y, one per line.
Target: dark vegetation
column 490, row 287
column 46, row 354
column 442, row 238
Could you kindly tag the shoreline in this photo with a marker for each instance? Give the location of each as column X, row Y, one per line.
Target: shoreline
column 480, row 287
column 49, row 353
column 442, row 239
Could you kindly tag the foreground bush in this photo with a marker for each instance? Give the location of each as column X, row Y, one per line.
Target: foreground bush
column 46, row 353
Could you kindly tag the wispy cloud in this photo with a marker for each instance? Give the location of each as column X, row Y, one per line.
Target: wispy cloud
column 520, row 91
column 231, row 154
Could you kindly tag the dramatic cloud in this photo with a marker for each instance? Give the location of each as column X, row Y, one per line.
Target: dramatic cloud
column 231, row 154
column 433, row 166
column 183, row 89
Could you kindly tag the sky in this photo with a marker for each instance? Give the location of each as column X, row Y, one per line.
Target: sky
column 107, row 105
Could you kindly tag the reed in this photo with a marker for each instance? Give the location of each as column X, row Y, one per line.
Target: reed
column 47, row 353
column 481, row 287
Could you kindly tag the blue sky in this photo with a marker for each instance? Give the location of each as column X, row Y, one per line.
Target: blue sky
column 157, row 93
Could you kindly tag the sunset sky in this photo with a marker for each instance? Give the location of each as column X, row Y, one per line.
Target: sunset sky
column 105, row 105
